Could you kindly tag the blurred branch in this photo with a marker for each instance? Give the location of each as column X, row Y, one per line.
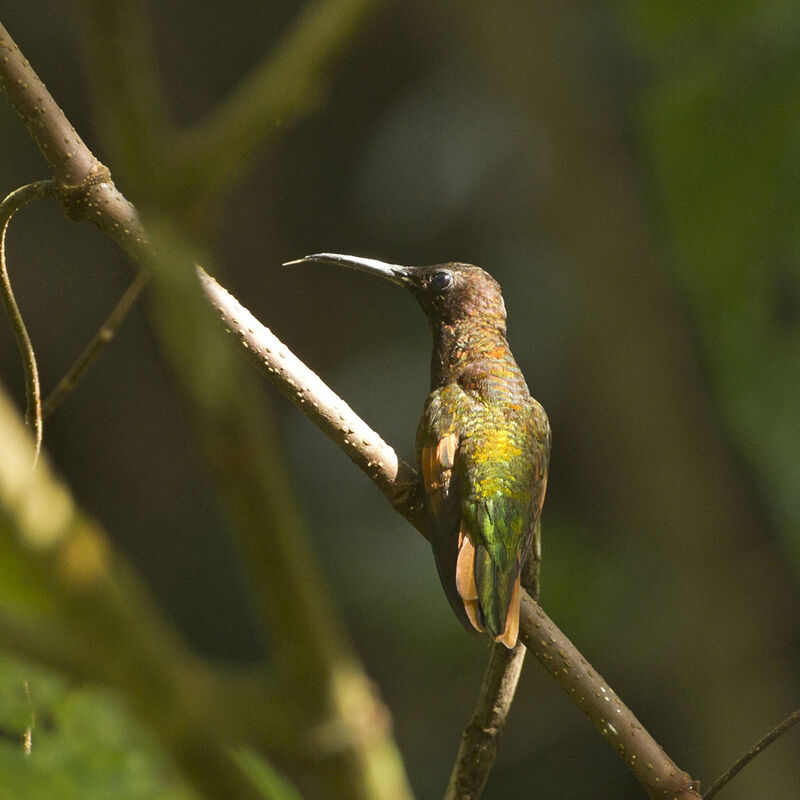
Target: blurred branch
column 350, row 747
column 774, row 734
column 212, row 154
column 283, row 87
column 129, row 102
column 357, row 758
column 12, row 203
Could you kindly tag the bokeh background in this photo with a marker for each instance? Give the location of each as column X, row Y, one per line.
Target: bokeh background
column 629, row 172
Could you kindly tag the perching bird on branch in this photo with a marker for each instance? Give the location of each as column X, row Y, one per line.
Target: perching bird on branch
column 483, row 443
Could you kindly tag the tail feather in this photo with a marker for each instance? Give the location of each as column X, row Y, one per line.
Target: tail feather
column 496, row 584
column 511, row 631
column 489, row 594
column 465, row 580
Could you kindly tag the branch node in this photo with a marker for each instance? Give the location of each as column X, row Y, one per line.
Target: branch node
column 76, row 199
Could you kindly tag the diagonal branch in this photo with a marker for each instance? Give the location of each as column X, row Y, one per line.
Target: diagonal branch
column 82, row 183
column 618, row 725
column 396, row 479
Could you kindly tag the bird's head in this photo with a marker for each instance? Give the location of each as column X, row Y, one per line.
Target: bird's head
column 448, row 293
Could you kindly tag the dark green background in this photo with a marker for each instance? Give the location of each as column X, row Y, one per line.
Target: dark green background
column 629, row 172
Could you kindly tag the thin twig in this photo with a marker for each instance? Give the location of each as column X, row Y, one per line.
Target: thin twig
column 12, row 203
column 95, row 347
column 777, row 731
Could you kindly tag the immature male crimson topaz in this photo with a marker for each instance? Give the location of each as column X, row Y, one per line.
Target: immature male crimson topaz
column 483, row 443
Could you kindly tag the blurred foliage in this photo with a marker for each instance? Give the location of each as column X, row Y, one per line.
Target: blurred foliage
column 720, row 115
column 263, row 775
column 84, row 743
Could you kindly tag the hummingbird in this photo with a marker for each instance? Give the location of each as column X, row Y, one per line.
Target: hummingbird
column 482, row 446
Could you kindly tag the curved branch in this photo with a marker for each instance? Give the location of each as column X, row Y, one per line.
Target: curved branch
column 284, row 86
column 12, row 203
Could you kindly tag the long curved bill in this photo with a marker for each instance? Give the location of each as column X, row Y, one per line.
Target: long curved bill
column 393, row 272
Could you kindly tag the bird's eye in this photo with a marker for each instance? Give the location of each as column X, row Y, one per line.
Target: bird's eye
column 442, row 280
